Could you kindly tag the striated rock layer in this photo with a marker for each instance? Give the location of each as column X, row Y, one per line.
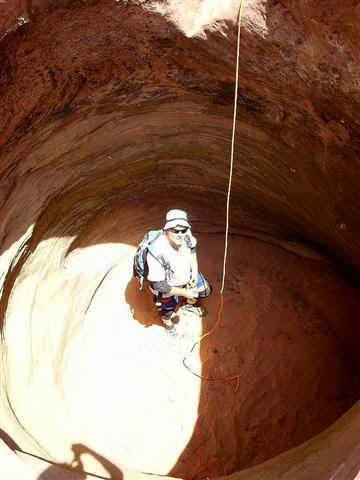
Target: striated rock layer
column 112, row 112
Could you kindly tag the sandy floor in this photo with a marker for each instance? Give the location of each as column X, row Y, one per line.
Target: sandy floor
column 86, row 346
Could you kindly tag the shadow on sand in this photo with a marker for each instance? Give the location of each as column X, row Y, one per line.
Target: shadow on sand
column 75, row 469
column 140, row 302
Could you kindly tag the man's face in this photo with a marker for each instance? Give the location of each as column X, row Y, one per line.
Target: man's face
column 176, row 235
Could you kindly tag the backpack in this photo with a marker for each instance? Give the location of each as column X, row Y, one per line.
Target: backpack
column 140, row 266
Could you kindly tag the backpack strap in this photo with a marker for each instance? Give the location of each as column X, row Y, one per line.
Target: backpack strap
column 164, row 263
column 139, row 264
column 190, row 240
column 160, row 258
column 156, row 234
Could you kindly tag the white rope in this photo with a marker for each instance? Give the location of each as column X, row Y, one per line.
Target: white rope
column 232, row 148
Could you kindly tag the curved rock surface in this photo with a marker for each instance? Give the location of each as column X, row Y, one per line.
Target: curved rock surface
column 112, row 112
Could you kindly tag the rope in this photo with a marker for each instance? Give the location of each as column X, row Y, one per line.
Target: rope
column 221, row 301
column 232, row 147
column 229, row 378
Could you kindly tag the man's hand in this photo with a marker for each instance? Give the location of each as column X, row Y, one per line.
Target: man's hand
column 190, row 293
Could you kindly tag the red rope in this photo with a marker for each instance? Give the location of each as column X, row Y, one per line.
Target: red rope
column 229, row 378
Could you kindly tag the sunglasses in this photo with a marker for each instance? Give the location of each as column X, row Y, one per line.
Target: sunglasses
column 176, row 230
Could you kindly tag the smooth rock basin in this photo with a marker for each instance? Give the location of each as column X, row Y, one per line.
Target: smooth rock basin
column 112, row 113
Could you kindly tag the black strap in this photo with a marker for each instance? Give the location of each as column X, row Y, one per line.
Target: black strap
column 165, row 264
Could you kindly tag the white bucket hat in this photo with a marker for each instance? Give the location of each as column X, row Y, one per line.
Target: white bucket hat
column 175, row 218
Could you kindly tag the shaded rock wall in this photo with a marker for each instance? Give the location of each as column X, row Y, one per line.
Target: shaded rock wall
column 292, row 137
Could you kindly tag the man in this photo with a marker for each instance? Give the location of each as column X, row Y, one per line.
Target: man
column 177, row 246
